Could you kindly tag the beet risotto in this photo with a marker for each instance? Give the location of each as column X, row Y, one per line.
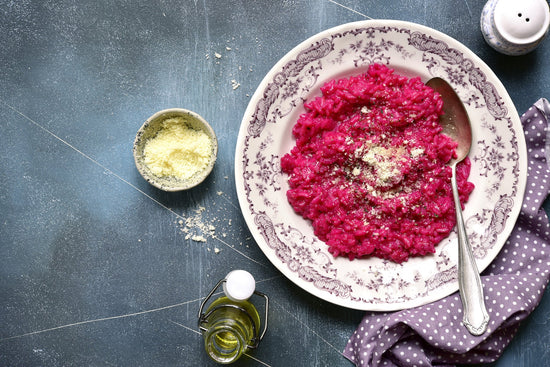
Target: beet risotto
column 369, row 167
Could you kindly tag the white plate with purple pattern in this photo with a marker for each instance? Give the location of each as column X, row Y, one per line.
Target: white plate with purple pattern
column 498, row 155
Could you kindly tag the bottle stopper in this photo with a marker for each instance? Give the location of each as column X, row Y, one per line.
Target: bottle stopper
column 515, row 27
column 239, row 285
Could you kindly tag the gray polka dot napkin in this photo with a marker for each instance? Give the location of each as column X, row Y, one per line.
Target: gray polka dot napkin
column 513, row 284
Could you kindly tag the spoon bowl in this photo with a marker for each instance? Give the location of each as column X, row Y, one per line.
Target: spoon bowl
column 455, row 123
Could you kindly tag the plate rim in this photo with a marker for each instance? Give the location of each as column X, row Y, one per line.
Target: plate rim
column 444, row 290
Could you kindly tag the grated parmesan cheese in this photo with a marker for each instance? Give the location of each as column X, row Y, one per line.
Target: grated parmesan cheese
column 177, row 150
column 417, row 152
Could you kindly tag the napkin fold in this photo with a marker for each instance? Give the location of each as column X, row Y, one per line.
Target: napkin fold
column 514, row 283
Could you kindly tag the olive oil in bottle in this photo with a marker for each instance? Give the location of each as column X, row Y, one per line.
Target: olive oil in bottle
column 231, row 324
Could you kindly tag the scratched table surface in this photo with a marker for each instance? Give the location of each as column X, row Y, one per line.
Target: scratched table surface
column 98, row 268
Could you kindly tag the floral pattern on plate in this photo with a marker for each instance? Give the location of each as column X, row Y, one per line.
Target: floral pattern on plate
column 499, row 163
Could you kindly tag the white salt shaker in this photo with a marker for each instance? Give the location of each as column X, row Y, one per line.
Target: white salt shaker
column 515, row 27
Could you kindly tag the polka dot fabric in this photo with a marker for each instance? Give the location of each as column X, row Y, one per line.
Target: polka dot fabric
column 433, row 335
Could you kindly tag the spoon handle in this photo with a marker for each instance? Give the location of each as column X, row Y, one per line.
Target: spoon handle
column 475, row 317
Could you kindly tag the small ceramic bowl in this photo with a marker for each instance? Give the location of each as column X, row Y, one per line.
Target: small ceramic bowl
column 151, row 128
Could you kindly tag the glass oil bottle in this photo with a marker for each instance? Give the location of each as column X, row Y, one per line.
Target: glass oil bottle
column 231, row 323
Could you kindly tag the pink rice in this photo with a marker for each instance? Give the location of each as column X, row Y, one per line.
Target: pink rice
column 369, row 167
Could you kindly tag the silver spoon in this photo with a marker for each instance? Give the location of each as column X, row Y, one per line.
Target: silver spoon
column 456, row 125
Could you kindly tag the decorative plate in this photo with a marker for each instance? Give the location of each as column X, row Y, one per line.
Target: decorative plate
column 498, row 155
